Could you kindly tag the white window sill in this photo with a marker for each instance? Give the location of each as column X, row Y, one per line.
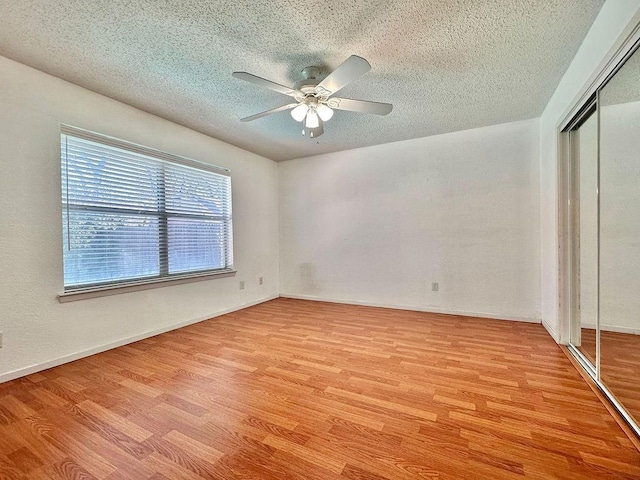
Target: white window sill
column 103, row 291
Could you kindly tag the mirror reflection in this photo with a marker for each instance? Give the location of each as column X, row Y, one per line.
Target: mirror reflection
column 584, row 168
column 619, row 104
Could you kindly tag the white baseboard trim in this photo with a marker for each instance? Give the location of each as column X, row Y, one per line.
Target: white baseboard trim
column 21, row 372
column 551, row 332
column 612, row 328
column 415, row 308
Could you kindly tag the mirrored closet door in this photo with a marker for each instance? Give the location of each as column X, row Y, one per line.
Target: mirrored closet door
column 619, row 106
column 604, row 231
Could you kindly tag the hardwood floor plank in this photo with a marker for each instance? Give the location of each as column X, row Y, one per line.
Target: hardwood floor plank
column 122, row 424
column 205, row 452
column 388, row 405
column 310, row 455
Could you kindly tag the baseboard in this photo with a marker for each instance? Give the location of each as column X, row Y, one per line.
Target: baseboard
column 5, row 377
column 415, row 308
column 612, row 328
column 551, row 332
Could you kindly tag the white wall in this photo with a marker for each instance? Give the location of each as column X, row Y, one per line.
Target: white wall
column 620, row 213
column 37, row 329
column 612, row 24
column 378, row 225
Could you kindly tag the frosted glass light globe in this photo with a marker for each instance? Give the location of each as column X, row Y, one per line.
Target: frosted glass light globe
column 324, row 112
column 312, row 119
column 299, row 112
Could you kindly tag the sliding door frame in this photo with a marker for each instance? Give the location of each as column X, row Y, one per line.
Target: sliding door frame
column 580, row 110
column 573, row 213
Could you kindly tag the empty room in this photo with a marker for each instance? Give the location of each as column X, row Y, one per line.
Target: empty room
column 278, row 240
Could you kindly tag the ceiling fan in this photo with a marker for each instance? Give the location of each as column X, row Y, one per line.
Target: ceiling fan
column 314, row 100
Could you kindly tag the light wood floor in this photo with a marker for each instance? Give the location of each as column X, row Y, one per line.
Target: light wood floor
column 302, row 390
column 619, row 365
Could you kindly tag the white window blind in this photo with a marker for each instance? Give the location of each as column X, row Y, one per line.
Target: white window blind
column 132, row 214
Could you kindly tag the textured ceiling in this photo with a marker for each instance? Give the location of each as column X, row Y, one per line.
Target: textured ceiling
column 446, row 65
column 624, row 87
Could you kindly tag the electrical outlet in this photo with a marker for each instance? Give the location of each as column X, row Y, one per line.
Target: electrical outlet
column 435, row 287
column 261, row 281
column 241, row 284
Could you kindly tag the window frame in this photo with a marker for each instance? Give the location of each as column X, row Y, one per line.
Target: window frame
column 164, row 278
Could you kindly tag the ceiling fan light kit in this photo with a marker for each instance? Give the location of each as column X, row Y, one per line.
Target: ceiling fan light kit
column 315, row 103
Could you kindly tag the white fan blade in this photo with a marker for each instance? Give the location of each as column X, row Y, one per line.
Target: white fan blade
column 351, row 69
column 269, row 112
column 361, row 106
column 263, row 82
column 315, row 132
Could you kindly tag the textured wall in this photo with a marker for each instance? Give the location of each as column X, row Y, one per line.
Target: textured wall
column 36, row 327
column 378, row 225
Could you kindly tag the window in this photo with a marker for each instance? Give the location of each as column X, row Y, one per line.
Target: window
column 136, row 215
